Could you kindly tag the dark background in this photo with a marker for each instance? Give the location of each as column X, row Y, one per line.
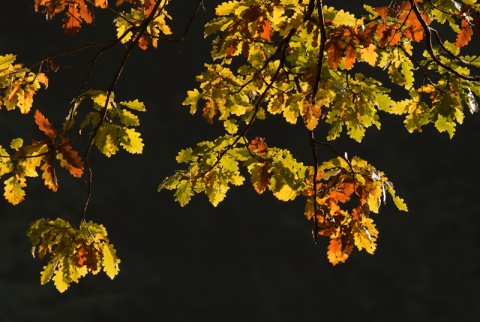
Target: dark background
column 251, row 258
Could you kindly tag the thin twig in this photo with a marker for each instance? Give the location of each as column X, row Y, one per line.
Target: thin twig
column 116, row 77
column 428, row 33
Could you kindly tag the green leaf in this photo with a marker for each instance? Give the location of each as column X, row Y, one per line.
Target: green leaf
column 192, row 100
column 128, row 118
column 47, row 272
column 60, row 280
column 184, row 192
column 231, row 126
column 106, row 139
column 443, row 124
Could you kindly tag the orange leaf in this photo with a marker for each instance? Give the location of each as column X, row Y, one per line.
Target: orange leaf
column 350, row 56
column 44, row 125
column 101, row 3
column 335, row 252
column 414, row 30
column 258, row 145
column 144, row 41
column 76, row 14
column 343, row 192
column 48, row 175
column 265, row 30
column 382, row 11
column 465, row 34
column 70, row 160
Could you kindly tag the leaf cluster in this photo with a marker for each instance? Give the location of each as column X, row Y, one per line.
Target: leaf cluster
column 72, row 252
column 18, row 84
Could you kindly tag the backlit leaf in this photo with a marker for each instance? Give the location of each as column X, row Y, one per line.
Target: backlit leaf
column 48, row 173
column 14, row 192
column 110, row 261
column 465, row 34
column 70, row 160
column 130, row 140
column 44, row 125
column 260, row 176
column 335, row 252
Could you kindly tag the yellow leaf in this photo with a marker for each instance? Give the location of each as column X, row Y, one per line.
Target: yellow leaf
column 369, row 55
column 285, row 193
column 13, row 189
column 130, row 140
column 60, row 280
column 366, row 235
column 226, row 8
column 343, row 18
column 110, row 261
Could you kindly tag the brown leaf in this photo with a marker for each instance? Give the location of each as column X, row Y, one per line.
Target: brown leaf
column 261, row 178
column 48, row 174
column 334, row 55
column 87, row 255
column 209, row 112
column 70, row 160
column 231, row 49
column 44, row 125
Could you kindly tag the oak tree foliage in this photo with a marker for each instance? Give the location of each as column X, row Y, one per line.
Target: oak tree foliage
column 306, row 61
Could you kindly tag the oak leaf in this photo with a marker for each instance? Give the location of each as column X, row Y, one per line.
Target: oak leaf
column 311, row 114
column 336, row 254
column 13, row 189
column 44, row 125
column 465, row 34
column 87, row 255
column 48, row 173
column 70, row 160
column 260, row 176
column 350, row 56
column 259, row 146
column 334, row 55
column 265, row 30
column 369, row 54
